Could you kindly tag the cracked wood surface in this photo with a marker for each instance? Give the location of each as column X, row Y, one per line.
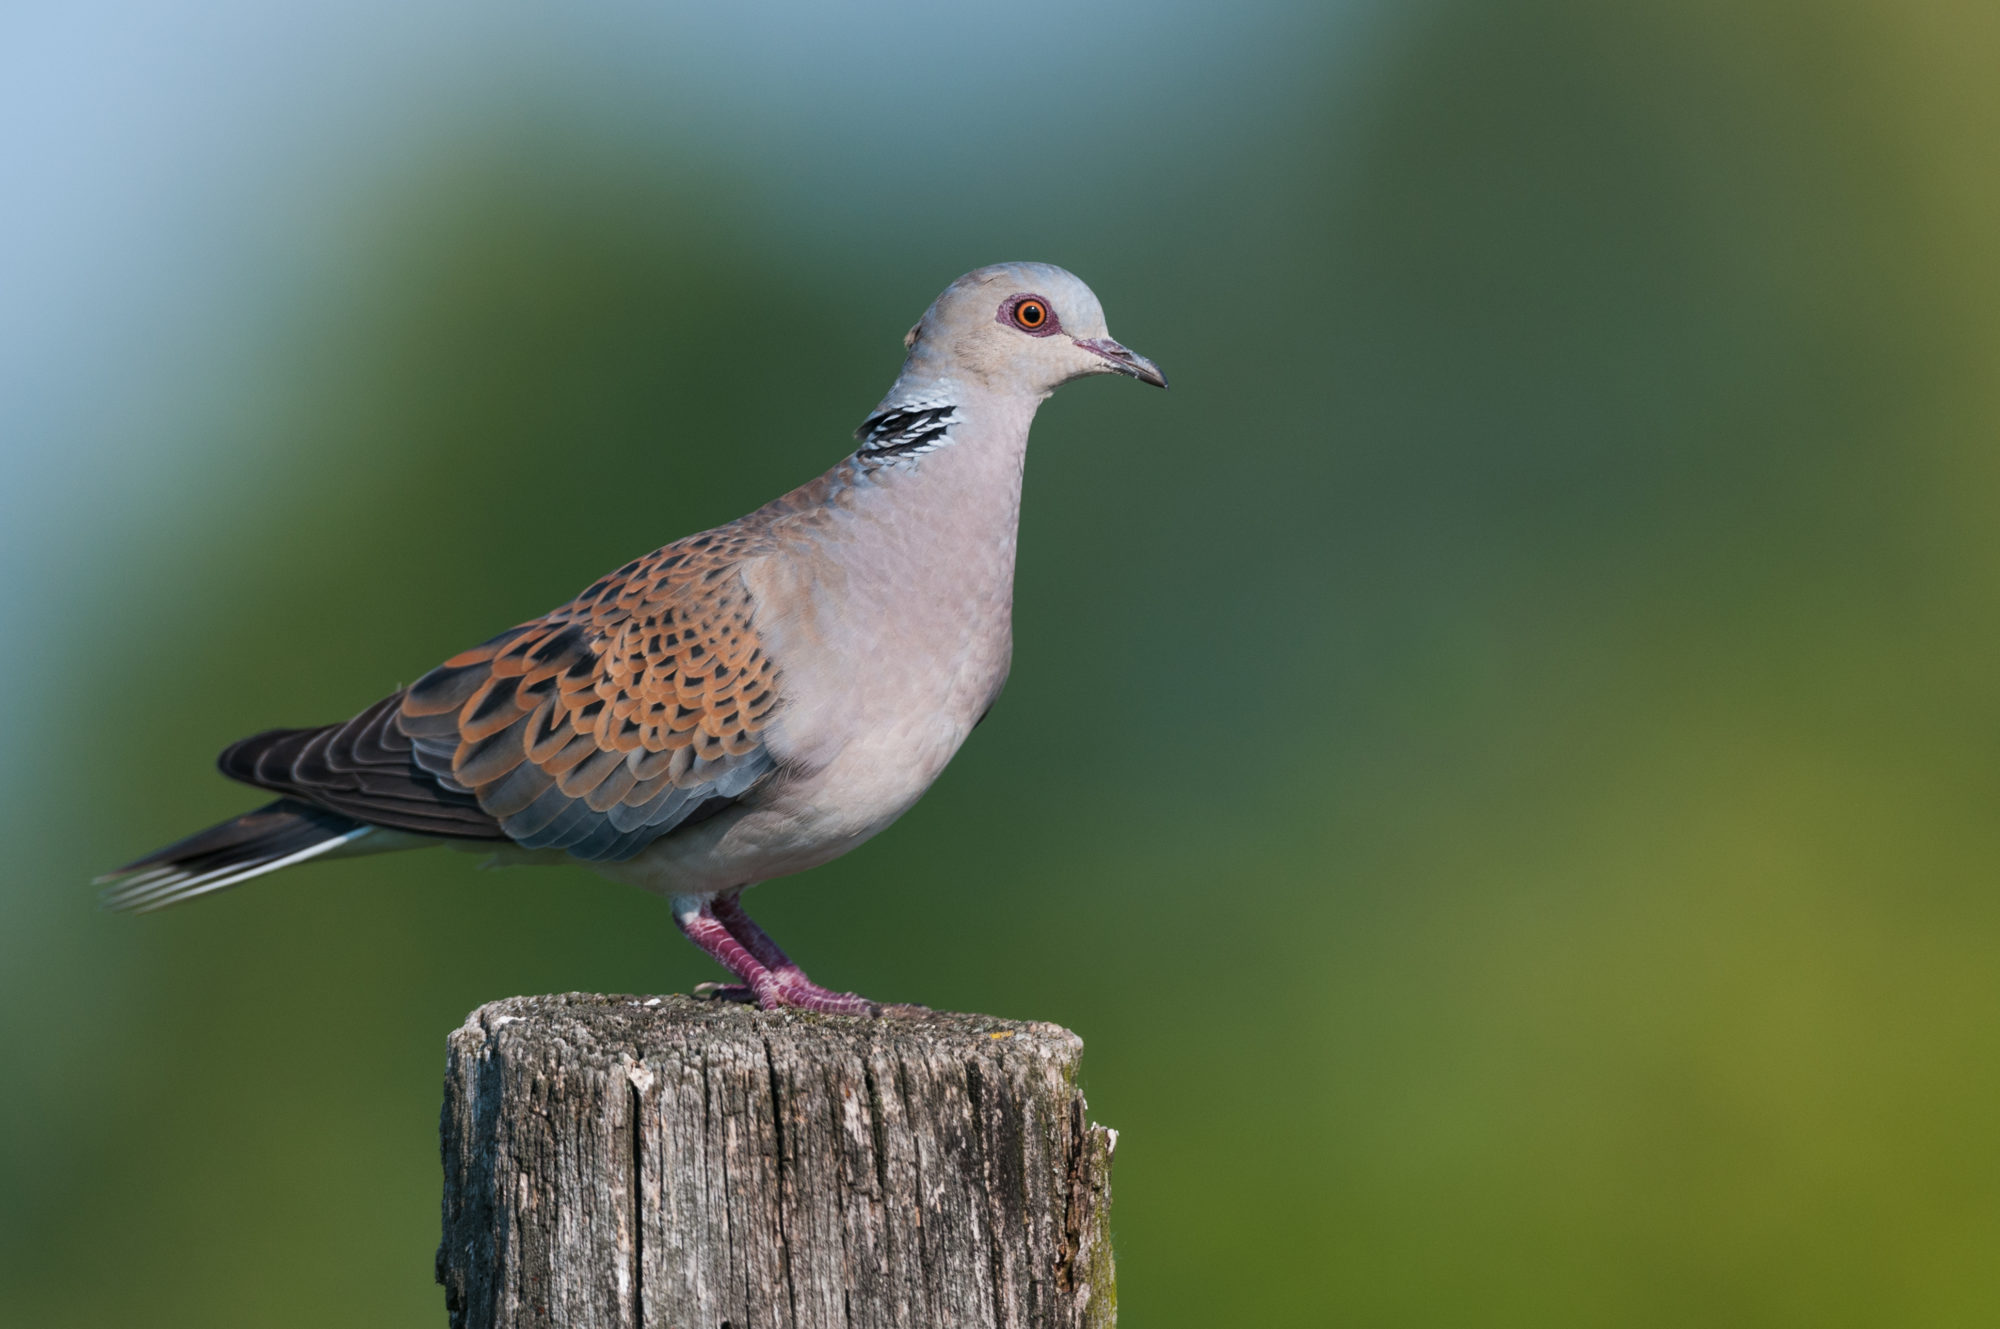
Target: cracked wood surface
column 626, row 1161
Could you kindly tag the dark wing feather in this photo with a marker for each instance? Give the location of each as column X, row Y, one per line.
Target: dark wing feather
column 364, row 769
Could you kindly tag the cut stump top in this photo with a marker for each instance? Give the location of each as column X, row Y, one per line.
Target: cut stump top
column 599, row 1029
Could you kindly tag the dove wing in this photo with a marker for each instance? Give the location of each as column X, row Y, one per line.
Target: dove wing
column 597, row 728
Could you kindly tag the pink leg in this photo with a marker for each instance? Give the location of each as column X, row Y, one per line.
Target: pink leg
column 699, row 925
column 721, row 928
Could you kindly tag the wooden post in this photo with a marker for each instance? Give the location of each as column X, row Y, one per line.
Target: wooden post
column 619, row 1161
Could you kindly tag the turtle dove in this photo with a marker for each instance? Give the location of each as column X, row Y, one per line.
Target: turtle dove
column 743, row 704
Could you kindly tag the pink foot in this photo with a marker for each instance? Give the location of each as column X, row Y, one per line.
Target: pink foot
column 721, row 928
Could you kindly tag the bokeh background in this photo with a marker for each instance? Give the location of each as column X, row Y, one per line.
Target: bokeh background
column 1501, row 763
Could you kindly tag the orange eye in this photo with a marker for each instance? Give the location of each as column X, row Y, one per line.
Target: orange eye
column 1031, row 314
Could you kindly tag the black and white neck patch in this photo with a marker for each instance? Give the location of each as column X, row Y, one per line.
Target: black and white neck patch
column 907, row 431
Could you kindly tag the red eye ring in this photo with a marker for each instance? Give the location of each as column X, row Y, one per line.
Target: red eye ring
column 1029, row 313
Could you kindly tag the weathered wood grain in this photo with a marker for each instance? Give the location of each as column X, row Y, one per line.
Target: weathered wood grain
column 623, row 1161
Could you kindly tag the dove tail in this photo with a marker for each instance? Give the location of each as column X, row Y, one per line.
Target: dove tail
column 274, row 836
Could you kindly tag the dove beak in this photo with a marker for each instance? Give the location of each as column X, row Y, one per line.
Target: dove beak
column 1123, row 361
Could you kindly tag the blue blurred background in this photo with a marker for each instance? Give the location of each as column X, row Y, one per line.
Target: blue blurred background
column 1501, row 761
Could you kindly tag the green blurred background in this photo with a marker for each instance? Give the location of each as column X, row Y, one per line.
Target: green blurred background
column 1501, row 761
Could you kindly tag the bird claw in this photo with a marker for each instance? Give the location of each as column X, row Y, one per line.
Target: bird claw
column 798, row 996
column 802, row 994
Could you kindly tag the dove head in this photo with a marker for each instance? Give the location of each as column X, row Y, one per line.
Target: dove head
column 1024, row 328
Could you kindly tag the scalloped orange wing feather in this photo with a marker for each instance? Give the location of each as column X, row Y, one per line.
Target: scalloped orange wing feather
column 635, row 708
